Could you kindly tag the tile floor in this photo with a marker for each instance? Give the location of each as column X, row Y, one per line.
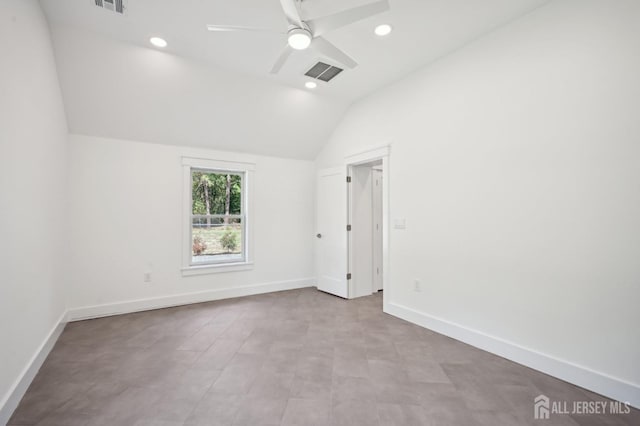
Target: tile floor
column 299, row 357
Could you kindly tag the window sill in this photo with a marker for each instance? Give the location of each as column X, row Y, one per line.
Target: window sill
column 215, row 269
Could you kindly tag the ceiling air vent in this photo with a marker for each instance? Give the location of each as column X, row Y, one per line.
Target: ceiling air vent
column 112, row 5
column 324, row 72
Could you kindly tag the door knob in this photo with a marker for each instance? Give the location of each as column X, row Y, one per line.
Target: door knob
column 319, row 235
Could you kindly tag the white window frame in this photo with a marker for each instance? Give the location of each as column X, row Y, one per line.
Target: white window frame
column 245, row 170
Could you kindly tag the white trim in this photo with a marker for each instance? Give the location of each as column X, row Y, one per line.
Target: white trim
column 587, row 378
column 379, row 153
column 11, row 400
column 126, row 307
column 210, row 163
column 216, row 269
column 245, row 170
column 368, row 155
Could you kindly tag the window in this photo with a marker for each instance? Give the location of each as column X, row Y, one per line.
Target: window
column 216, row 234
column 217, row 221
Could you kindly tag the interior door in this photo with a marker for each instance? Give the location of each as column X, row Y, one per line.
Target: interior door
column 377, row 229
column 331, row 238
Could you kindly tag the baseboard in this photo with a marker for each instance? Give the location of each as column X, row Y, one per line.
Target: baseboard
column 584, row 377
column 138, row 305
column 11, row 400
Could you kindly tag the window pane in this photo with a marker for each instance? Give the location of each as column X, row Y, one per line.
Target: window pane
column 216, row 193
column 215, row 239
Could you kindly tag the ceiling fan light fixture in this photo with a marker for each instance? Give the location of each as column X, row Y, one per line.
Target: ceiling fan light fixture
column 299, row 38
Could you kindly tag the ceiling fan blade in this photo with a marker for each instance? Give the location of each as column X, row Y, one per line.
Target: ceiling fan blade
column 320, row 26
column 230, row 28
column 291, row 11
column 282, row 59
column 327, row 48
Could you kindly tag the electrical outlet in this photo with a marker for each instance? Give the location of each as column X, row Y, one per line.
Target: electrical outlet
column 147, row 277
column 417, row 286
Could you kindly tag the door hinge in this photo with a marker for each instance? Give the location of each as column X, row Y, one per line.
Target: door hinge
column 348, row 179
column 348, row 227
column 349, row 276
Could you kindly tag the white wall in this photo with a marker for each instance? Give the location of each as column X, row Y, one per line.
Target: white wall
column 118, row 90
column 516, row 163
column 126, row 216
column 33, row 162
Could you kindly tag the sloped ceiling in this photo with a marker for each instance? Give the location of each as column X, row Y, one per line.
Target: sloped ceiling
column 120, row 90
column 214, row 89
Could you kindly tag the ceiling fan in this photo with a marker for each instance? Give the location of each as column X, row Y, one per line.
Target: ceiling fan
column 309, row 33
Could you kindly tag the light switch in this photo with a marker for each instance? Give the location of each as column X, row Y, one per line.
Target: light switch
column 399, row 223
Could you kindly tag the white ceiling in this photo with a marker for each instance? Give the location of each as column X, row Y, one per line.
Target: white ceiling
column 120, row 90
column 424, row 30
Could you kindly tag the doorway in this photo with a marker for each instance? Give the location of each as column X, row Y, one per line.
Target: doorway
column 368, row 213
column 365, row 229
column 352, row 239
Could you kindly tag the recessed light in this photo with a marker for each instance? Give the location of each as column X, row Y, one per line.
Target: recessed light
column 158, row 42
column 383, row 30
column 311, row 85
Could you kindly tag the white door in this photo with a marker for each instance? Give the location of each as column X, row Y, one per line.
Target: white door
column 377, row 230
column 331, row 238
column 361, row 235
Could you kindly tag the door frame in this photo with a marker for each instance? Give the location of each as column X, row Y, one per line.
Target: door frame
column 380, row 153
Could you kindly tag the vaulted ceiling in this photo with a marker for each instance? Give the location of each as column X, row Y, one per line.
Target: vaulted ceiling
column 215, row 89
